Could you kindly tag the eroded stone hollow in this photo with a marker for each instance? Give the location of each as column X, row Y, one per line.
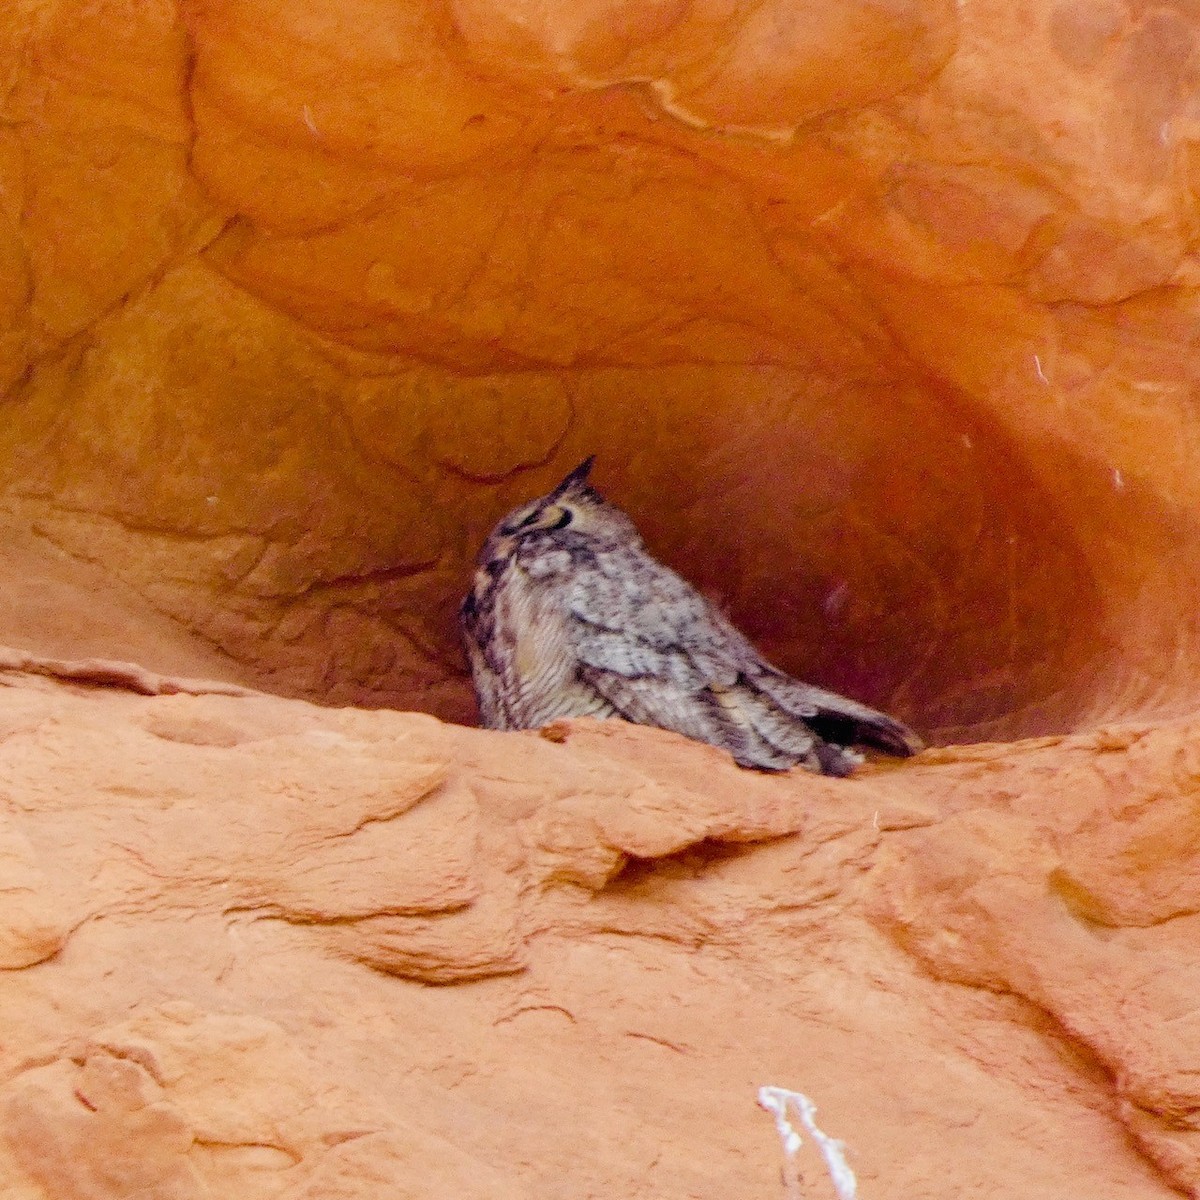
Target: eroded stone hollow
column 297, row 302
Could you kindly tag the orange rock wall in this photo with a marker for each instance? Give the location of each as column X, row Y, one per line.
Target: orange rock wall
column 879, row 320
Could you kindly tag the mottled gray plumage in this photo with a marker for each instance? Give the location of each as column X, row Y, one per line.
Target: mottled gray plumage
column 570, row 616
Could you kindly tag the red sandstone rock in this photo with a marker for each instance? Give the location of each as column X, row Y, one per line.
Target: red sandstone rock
column 881, row 323
column 247, row 898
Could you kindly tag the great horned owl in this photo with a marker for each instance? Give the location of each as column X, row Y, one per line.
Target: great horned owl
column 570, row 616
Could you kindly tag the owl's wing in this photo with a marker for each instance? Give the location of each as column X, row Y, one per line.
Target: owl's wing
column 662, row 655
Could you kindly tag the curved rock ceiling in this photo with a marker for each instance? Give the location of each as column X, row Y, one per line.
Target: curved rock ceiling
column 880, row 319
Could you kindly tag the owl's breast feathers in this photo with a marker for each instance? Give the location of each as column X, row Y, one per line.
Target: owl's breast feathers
column 516, row 628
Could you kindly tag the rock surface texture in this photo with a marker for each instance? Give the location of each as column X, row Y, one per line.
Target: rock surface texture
column 224, row 914
column 882, row 321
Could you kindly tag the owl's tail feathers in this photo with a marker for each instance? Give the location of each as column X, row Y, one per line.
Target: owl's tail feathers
column 877, row 731
column 836, row 719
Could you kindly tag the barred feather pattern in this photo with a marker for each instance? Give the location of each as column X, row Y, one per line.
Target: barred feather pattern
column 570, row 615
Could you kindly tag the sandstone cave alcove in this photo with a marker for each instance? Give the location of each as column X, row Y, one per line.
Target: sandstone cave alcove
column 290, row 316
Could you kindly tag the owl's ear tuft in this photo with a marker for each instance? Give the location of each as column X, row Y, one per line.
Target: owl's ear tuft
column 577, row 479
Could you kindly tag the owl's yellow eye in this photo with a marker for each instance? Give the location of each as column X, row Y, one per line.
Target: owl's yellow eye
column 553, row 516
